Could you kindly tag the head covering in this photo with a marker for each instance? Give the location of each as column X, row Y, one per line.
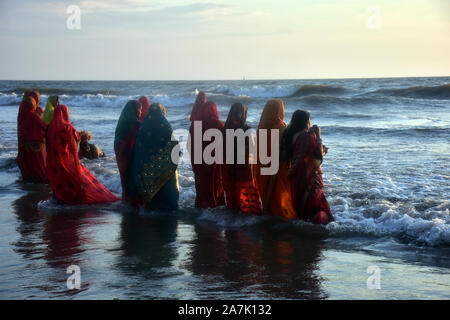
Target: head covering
column 23, row 110
column 145, row 103
column 30, row 126
column 236, row 117
column 199, row 102
column 152, row 166
column 36, row 96
column 26, row 94
column 52, row 102
column 127, row 120
column 209, row 112
column 60, row 120
column 272, row 115
column 29, row 104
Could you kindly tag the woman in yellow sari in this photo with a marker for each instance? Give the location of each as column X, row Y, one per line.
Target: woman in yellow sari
column 274, row 189
column 52, row 102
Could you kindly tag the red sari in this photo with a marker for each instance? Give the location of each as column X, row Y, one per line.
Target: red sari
column 71, row 182
column 145, row 104
column 306, row 181
column 31, row 157
column 208, row 177
column 238, row 180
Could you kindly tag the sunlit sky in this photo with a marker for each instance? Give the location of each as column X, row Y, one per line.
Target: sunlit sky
column 211, row 40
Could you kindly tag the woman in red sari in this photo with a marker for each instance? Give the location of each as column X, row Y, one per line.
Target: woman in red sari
column 208, row 177
column 31, row 155
column 145, row 104
column 304, row 154
column 71, row 182
column 238, row 180
column 199, row 102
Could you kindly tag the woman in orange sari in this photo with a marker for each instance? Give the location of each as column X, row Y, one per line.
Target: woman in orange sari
column 71, row 181
column 31, row 155
column 274, row 189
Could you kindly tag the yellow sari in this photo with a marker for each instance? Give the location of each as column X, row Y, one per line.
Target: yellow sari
column 52, row 102
column 275, row 189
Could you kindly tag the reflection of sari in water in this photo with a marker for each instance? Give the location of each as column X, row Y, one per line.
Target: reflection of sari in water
column 238, row 181
column 124, row 142
column 52, row 102
column 306, row 180
column 145, row 105
column 71, row 182
column 152, row 169
column 31, row 157
column 208, row 177
column 274, row 189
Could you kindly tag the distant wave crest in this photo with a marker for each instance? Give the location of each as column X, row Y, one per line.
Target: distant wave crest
column 424, row 92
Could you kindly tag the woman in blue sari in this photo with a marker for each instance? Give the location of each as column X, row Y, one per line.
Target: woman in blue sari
column 154, row 174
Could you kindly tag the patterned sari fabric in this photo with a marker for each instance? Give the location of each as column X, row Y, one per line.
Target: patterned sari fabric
column 208, row 177
column 52, row 102
column 306, row 181
column 274, row 189
column 71, row 182
column 238, row 180
column 124, row 142
column 145, row 103
column 152, row 169
column 31, row 157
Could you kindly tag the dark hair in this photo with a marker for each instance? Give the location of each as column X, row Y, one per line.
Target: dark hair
column 299, row 122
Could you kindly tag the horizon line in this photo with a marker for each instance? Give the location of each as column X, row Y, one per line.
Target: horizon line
column 246, row 79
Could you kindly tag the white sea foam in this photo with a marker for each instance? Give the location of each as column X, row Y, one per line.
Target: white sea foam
column 258, row 91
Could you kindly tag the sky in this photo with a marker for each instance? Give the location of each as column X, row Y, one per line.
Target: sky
column 224, row 39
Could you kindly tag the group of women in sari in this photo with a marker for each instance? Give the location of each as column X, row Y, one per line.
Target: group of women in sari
column 143, row 145
column 295, row 191
column 48, row 153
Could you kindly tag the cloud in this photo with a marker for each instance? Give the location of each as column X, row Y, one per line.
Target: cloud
column 144, row 6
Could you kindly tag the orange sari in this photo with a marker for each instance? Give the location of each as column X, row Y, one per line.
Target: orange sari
column 274, row 189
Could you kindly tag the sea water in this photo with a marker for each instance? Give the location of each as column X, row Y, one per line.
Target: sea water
column 387, row 176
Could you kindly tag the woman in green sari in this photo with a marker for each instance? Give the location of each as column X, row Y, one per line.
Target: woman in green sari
column 52, row 103
column 154, row 173
column 124, row 143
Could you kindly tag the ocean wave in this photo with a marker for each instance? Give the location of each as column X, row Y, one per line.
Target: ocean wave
column 257, row 91
column 432, row 131
column 60, row 91
column 318, row 89
column 423, row 92
column 9, row 99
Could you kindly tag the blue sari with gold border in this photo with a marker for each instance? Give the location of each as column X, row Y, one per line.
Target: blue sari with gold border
column 154, row 173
